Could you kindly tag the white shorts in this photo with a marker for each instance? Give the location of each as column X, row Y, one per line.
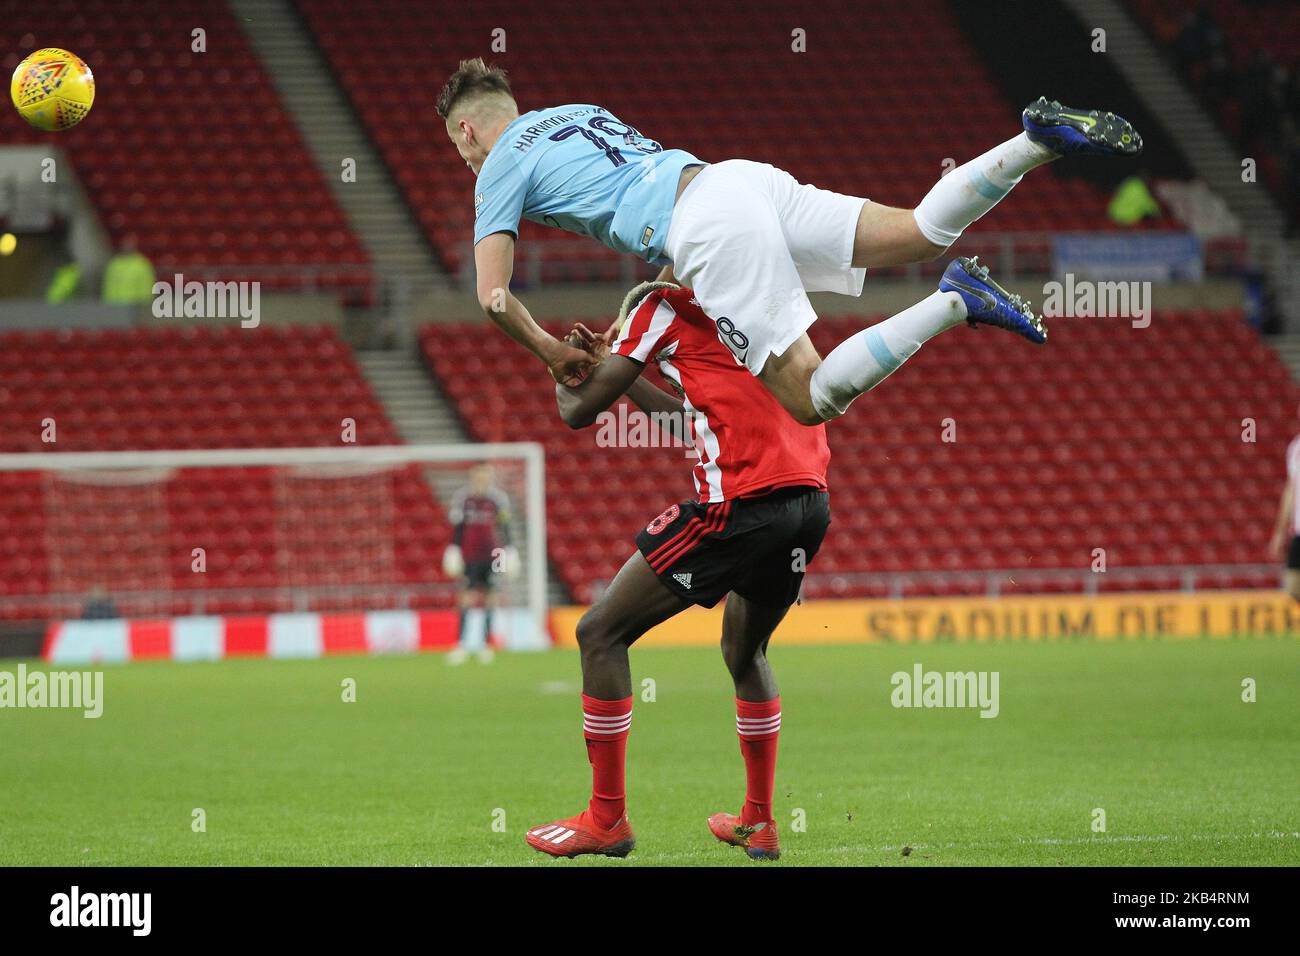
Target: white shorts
column 753, row 242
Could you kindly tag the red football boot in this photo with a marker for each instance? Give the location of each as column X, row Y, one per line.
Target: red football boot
column 582, row 834
column 760, row 840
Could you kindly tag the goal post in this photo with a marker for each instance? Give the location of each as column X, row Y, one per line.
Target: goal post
column 357, row 528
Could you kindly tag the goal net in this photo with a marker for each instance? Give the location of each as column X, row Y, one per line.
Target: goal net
column 260, row 531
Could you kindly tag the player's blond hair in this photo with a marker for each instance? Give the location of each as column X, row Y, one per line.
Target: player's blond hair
column 637, row 294
column 474, row 80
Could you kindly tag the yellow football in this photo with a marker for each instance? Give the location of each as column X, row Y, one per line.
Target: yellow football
column 53, row 89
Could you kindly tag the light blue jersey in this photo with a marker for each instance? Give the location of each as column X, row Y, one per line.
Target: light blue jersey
column 579, row 169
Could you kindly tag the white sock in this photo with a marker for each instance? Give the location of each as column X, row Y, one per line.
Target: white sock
column 860, row 363
column 971, row 190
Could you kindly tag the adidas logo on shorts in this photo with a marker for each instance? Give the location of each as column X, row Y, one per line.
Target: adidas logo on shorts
column 683, row 578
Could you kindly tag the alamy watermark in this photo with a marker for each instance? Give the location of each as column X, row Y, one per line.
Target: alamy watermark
column 922, row 688
column 631, row 428
column 1086, row 299
column 75, row 908
column 75, row 690
column 208, row 300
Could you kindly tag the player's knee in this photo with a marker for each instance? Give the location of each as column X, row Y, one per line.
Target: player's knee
column 803, row 409
column 588, row 632
column 924, row 248
column 927, row 240
column 800, row 400
column 797, row 396
column 740, row 657
column 595, row 633
column 806, row 415
column 788, row 377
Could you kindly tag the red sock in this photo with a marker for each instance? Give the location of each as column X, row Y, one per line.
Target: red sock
column 758, row 725
column 605, row 724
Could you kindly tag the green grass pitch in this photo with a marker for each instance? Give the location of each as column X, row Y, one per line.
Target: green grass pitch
column 419, row 769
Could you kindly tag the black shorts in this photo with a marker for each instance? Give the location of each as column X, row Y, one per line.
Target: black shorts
column 1293, row 554
column 757, row 547
column 479, row 575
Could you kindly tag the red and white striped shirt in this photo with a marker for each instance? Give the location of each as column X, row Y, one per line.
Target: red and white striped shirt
column 747, row 443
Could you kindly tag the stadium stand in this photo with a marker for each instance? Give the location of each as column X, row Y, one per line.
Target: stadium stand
column 1051, row 460
column 191, row 154
column 1243, row 58
column 836, row 119
column 192, row 388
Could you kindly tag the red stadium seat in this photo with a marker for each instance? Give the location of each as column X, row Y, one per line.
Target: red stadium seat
column 199, row 165
column 199, row 388
column 1059, row 452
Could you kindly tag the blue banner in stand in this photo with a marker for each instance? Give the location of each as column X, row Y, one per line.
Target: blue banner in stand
column 1151, row 257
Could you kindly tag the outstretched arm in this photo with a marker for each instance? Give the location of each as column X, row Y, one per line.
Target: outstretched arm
column 579, row 405
column 494, row 260
column 654, row 401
